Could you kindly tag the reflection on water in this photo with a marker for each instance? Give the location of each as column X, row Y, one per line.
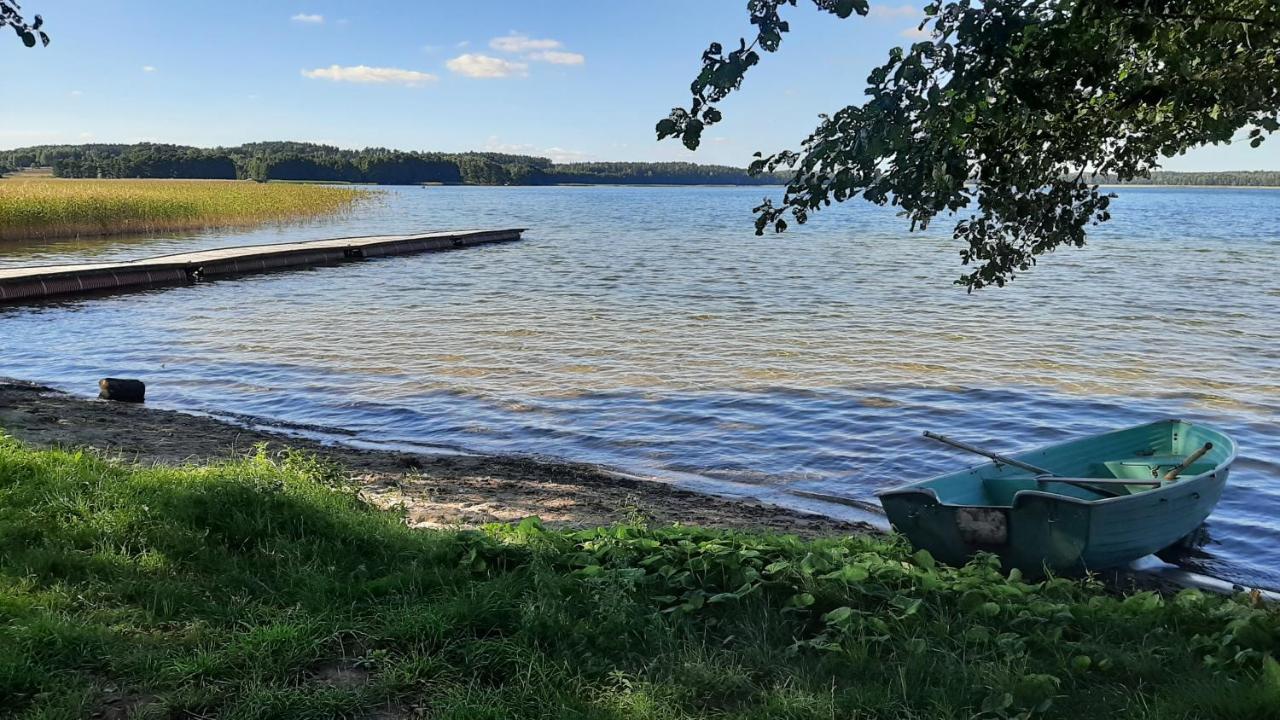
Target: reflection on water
column 648, row 328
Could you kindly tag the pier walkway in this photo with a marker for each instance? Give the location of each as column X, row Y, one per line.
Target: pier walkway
column 25, row 284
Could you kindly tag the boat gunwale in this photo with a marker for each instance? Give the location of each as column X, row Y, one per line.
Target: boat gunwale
column 919, row 485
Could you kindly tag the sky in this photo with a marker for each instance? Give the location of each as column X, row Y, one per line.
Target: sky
column 566, row 79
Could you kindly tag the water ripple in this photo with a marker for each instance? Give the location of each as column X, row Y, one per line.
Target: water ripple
column 650, row 329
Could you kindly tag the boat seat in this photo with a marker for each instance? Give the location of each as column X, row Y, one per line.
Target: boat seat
column 1000, row 491
column 1153, row 467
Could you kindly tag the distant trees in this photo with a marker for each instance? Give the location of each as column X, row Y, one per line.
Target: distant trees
column 1240, row 178
column 667, row 173
column 309, row 161
column 145, row 161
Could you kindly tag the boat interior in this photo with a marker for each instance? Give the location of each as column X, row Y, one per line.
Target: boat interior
column 1143, row 454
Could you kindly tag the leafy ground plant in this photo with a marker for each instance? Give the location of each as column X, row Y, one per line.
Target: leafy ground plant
column 264, row 588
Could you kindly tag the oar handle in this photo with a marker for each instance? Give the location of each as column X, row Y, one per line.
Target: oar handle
column 1000, row 459
column 1174, row 473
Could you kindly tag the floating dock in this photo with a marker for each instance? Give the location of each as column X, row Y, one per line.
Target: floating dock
column 24, row 284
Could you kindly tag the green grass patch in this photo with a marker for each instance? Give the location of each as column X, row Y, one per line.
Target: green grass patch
column 265, row 589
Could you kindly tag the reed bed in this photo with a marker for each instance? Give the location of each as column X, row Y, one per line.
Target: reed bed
column 42, row 208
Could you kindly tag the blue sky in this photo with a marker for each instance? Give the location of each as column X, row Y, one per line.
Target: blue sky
column 569, row 79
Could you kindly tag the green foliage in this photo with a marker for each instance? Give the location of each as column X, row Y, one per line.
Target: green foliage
column 28, row 32
column 265, row 588
column 1011, row 111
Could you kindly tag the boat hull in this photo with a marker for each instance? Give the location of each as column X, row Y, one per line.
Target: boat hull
column 1038, row 530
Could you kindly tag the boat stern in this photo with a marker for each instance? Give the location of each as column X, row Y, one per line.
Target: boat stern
column 950, row 533
column 1039, row 532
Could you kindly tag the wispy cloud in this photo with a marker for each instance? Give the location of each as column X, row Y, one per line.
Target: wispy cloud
column 536, row 49
column 915, row 33
column 484, row 66
column 76, row 93
column 558, row 57
column 517, row 43
column 555, row 154
column 148, row 68
column 308, row 18
column 371, row 75
column 895, row 11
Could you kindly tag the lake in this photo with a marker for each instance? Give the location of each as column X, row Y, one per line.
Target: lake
column 649, row 329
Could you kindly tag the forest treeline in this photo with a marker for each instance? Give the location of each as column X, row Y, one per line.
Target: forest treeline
column 1238, row 178
column 313, row 162
column 310, row 161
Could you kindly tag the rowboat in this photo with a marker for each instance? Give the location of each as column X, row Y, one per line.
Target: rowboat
column 1086, row 504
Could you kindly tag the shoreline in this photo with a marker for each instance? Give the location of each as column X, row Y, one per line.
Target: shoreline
column 452, row 490
column 432, row 490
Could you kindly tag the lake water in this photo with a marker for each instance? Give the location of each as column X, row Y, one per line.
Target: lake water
column 649, row 329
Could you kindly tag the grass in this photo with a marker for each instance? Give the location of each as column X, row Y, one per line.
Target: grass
column 264, row 588
column 48, row 207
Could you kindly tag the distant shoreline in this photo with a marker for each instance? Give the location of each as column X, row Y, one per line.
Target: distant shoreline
column 1190, row 187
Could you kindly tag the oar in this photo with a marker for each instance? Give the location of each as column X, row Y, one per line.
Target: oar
column 1001, row 459
column 1042, row 475
column 1174, row 473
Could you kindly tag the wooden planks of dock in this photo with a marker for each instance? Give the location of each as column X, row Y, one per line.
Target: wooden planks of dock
column 25, row 284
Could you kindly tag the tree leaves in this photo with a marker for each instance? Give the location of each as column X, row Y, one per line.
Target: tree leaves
column 1008, row 120
column 28, row 33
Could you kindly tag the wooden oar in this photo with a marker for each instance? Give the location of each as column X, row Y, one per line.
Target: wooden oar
column 1000, row 459
column 1042, row 475
column 1174, row 473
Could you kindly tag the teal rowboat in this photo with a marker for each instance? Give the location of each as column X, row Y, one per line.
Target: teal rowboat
column 1039, row 511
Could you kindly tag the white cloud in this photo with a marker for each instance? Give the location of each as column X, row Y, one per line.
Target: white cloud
column 912, row 33
column 86, row 136
column 554, row 154
column 891, row 11
column 148, row 68
column 308, row 18
column 483, row 66
column 370, row 75
column 563, row 155
column 558, row 57
column 76, row 93
column 462, row 43
column 516, row 43
column 537, row 49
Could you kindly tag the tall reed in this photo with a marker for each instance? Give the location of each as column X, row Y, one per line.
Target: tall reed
column 50, row 207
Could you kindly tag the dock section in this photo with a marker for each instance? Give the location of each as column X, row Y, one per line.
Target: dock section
column 25, row 284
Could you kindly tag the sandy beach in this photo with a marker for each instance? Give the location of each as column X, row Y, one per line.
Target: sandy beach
column 432, row 490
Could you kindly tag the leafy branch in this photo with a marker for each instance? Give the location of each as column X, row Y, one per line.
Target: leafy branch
column 28, row 32
column 1011, row 111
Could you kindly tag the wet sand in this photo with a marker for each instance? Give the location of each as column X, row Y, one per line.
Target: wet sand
column 431, row 490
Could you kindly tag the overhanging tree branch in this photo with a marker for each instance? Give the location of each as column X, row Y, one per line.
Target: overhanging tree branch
column 994, row 119
column 28, row 32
